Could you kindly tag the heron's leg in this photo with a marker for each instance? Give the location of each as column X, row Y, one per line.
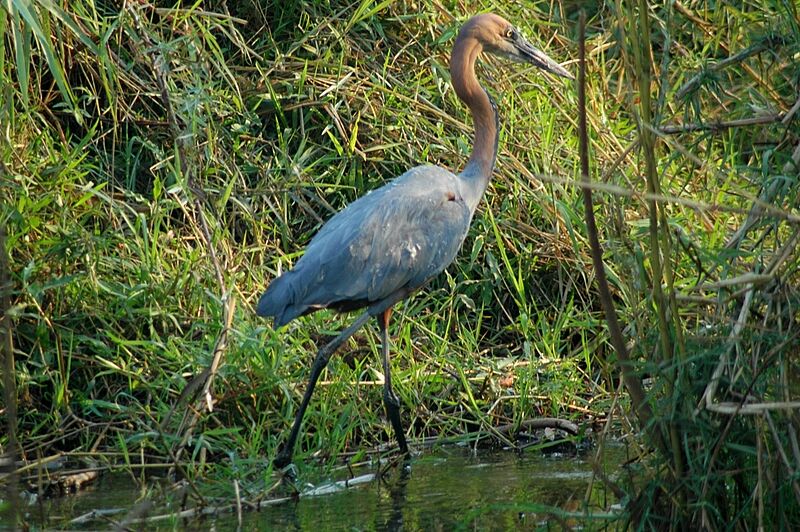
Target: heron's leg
column 284, row 458
column 390, row 400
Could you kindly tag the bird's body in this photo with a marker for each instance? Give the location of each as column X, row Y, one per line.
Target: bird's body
column 390, row 242
column 351, row 263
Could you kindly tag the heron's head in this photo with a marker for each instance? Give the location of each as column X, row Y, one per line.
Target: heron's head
column 499, row 37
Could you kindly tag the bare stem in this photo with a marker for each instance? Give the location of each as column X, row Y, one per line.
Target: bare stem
column 632, row 382
column 8, row 463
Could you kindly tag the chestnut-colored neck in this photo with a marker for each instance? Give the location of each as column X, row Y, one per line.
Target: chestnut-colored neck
column 484, row 116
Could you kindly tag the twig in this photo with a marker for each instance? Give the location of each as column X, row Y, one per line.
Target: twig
column 753, row 409
column 792, row 474
column 767, row 197
column 541, row 423
column 760, row 485
column 173, row 11
column 664, row 198
column 729, row 425
column 793, row 440
column 760, row 205
column 791, row 112
column 792, row 166
column 734, row 408
column 694, row 81
column 210, row 244
column 8, row 462
column 100, row 469
column 711, row 388
column 94, row 515
column 219, row 348
column 720, row 125
column 209, row 510
column 238, row 502
column 206, row 377
column 632, row 383
column 340, row 485
column 745, row 278
column 708, row 28
column 175, row 457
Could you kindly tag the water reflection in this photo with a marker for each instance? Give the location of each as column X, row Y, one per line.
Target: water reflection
column 442, row 490
column 452, row 488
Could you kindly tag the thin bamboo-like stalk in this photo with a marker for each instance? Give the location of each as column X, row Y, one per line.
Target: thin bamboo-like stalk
column 632, row 383
column 658, row 230
column 9, row 461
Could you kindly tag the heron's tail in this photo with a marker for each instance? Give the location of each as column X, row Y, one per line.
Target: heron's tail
column 278, row 301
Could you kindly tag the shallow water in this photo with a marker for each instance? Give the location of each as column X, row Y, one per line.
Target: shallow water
column 497, row 491
column 446, row 489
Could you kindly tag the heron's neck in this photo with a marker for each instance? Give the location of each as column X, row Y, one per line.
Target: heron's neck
column 484, row 116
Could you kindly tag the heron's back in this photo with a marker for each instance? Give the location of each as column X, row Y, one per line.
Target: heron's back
column 395, row 237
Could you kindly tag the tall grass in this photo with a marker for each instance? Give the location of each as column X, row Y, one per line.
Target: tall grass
column 708, row 279
column 162, row 164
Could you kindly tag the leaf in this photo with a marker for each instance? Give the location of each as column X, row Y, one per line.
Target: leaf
column 28, row 22
column 69, row 22
column 364, row 11
column 22, row 52
column 33, row 25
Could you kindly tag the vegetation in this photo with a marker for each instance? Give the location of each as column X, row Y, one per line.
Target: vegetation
column 161, row 163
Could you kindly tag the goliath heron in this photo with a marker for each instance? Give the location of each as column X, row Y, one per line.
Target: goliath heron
column 389, row 243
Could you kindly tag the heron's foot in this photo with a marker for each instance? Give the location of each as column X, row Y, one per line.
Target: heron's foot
column 282, row 460
column 400, row 462
column 403, row 458
column 404, row 463
column 288, row 476
column 390, row 399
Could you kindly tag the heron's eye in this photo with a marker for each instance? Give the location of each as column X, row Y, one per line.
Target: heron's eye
column 509, row 33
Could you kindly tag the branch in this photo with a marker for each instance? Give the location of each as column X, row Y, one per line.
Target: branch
column 8, row 462
column 632, row 383
column 720, row 125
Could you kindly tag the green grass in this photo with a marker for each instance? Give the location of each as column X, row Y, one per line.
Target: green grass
column 275, row 124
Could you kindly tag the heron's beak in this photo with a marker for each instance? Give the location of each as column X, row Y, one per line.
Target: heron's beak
column 531, row 54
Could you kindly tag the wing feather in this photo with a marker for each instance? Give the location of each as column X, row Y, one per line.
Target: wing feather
column 398, row 236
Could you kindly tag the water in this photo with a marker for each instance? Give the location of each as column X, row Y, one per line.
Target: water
column 442, row 490
column 497, row 491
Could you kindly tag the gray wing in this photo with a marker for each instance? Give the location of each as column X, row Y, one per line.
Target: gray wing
column 395, row 237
